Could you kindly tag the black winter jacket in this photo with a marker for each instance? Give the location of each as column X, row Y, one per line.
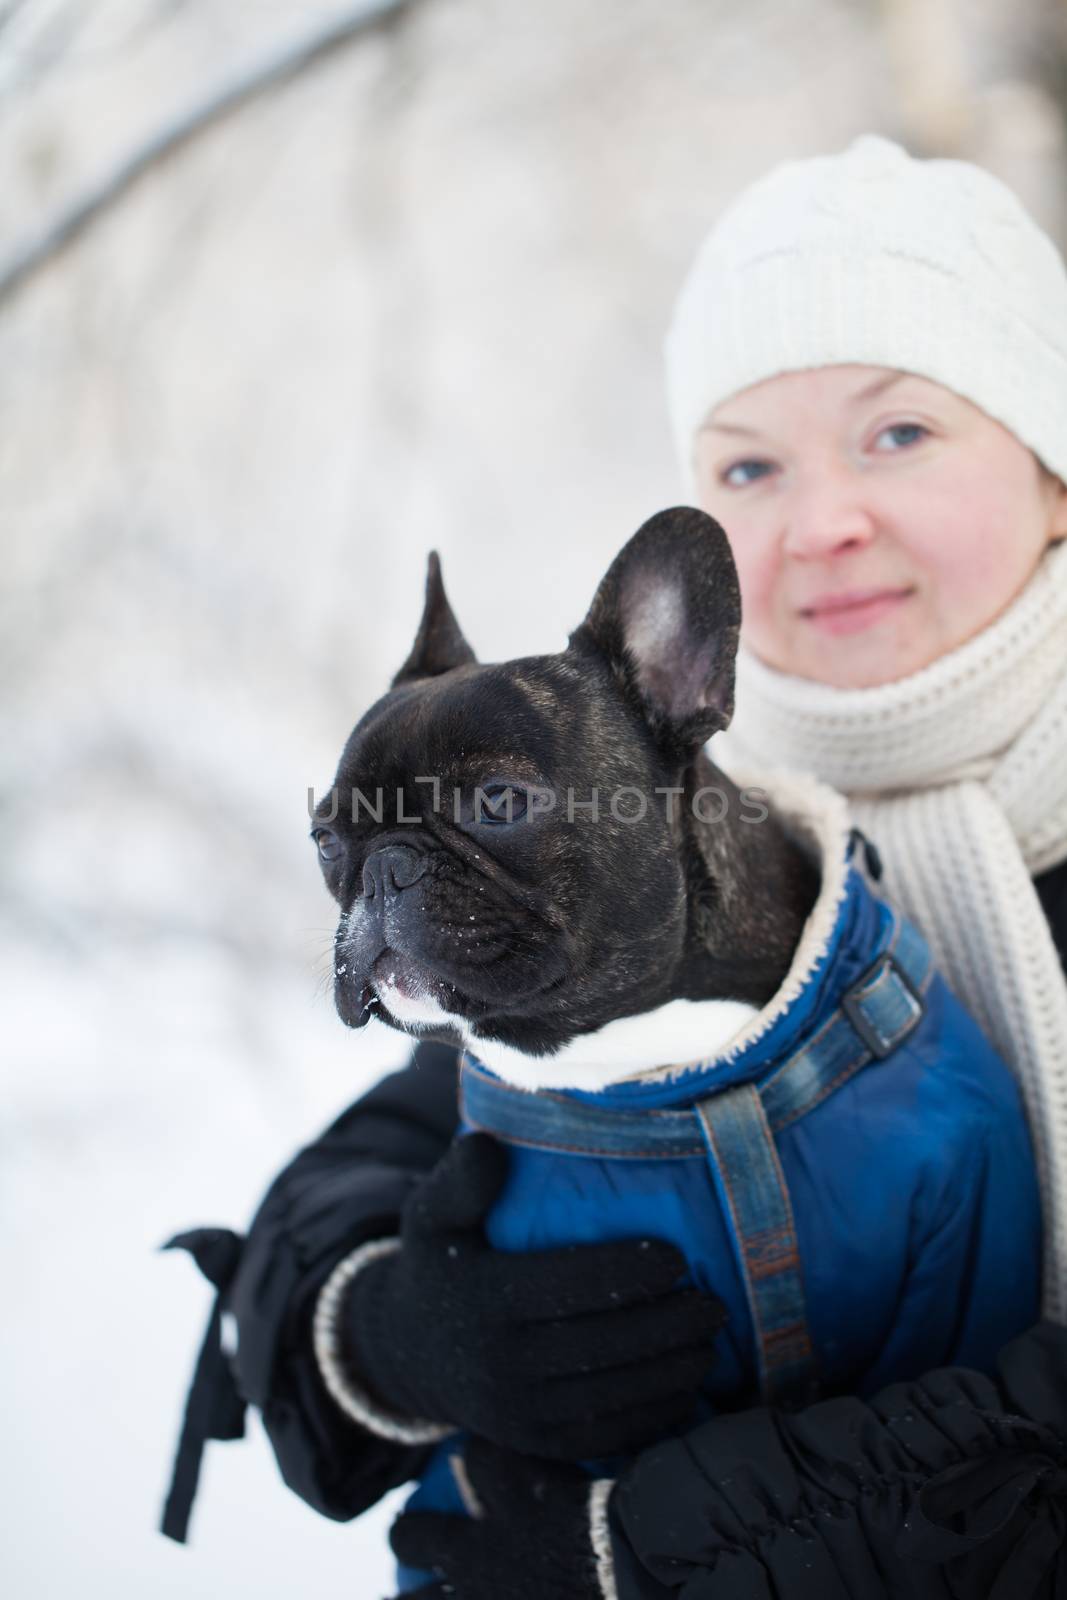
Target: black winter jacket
column 966, row 1474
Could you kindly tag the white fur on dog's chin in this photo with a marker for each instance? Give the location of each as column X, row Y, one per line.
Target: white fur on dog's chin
column 682, row 1034
column 677, row 1031
column 414, row 1011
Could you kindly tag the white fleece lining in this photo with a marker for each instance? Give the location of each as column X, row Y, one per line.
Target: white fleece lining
column 821, row 815
column 600, row 1536
column 811, row 810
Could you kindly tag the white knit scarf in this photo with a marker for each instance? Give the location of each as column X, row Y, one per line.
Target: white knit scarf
column 959, row 775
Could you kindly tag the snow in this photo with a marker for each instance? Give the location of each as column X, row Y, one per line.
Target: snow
column 100, row 1330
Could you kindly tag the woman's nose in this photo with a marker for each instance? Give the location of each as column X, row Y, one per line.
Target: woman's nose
column 827, row 519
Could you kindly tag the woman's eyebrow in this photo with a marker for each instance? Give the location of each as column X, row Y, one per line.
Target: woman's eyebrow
column 869, row 392
column 729, row 427
column 878, row 386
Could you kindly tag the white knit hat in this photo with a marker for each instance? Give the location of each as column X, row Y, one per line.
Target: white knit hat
column 873, row 257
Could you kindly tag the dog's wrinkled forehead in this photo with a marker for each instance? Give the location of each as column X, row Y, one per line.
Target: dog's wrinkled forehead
column 518, row 714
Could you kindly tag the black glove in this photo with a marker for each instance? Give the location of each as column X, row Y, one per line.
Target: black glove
column 584, row 1351
column 534, row 1541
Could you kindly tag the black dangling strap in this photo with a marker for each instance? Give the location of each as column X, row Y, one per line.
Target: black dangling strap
column 213, row 1407
column 872, row 857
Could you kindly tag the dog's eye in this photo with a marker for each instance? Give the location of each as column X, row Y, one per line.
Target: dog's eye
column 329, row 845
column 500, row 802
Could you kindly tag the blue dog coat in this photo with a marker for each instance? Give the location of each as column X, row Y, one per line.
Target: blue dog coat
column 855, row 1183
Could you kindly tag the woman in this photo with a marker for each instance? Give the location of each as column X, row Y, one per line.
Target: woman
column 868, row 379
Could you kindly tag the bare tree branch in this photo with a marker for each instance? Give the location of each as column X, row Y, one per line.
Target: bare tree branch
column 100, row 197
column 9, row 10
column 55, row 41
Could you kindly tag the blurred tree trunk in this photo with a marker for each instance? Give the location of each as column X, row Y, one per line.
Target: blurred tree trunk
column 987, row 82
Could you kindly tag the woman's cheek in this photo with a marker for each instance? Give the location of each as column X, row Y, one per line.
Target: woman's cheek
column 760, row 577
column 969, row 544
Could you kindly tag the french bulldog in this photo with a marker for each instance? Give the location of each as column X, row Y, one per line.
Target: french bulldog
column 537, row 858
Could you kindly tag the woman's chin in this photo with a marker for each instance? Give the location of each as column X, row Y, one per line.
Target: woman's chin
column 854, row 661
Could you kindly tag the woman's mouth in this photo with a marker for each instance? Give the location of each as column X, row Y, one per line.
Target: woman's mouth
column 852, row 610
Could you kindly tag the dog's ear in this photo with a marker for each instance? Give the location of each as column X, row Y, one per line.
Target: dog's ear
column 439, row 644
column 667, row 616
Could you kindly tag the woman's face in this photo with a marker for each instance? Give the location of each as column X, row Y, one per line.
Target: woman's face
column 877, row 519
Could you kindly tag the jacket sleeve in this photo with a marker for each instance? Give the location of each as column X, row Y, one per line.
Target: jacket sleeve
column 346, row 1187
column 954, row 1485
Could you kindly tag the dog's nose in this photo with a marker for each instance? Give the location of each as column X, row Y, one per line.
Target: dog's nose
column 394, row 867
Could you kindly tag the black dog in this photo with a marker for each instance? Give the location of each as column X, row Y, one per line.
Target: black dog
column 521, row 852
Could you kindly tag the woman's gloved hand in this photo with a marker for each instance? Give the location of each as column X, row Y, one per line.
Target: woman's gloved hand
column 580, row 1352
column 532, row 1540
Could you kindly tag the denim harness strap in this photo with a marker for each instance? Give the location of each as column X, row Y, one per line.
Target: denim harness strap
column 734, row 1131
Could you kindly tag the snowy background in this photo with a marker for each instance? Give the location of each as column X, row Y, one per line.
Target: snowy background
column 413, row 297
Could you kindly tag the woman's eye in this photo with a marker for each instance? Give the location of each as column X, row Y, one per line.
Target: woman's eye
column 915, row 429
column 500, row 802
column 739, row 466
column 329, row 845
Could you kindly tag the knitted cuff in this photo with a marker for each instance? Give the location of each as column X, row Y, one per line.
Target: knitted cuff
column 326, row 1343
column 600, row 1536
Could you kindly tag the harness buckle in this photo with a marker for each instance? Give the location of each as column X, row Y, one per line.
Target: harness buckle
column 883, row 1006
